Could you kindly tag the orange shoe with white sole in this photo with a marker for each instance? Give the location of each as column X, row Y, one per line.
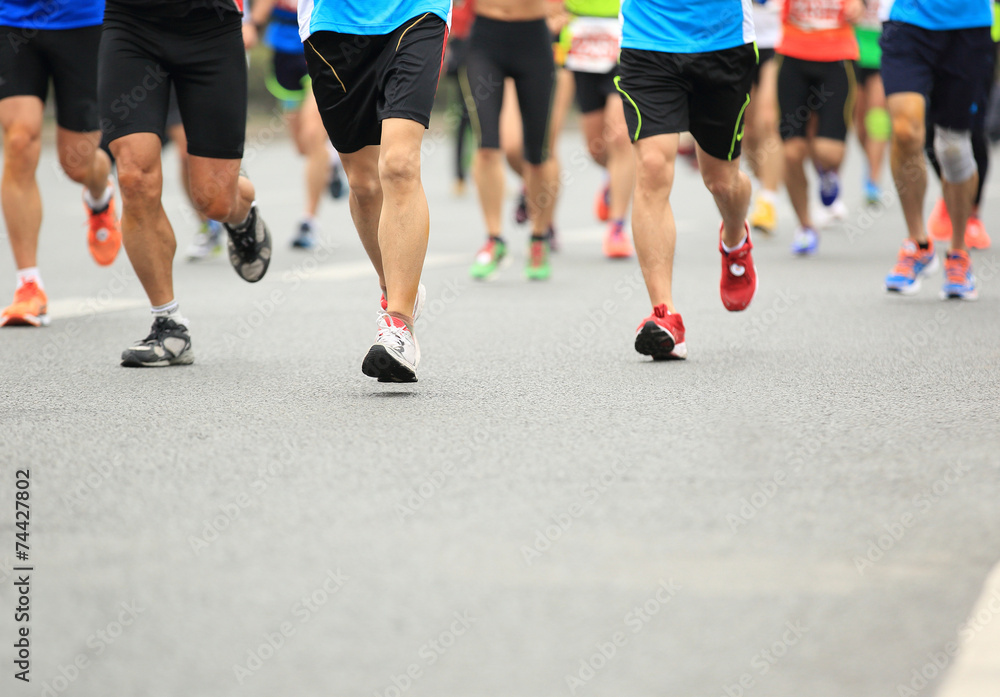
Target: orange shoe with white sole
column 30, row 307
column 104, row 235
column 976, row 236
column 939, row 224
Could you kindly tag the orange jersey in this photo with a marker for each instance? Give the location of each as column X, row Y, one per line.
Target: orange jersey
column 815, row 30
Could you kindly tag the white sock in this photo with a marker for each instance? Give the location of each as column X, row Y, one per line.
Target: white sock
column 101, row 203
column 728, row 249
column 170, row 310
column 30, row 274
column 246, row 221
column 768, row 196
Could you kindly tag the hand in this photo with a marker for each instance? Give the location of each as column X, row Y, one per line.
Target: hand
column 250, row 37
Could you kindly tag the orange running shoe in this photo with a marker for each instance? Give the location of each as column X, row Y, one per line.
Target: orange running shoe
column 976, row 236
column 30, row 307
column 602, row 202
column 616, row 242
column 939, row 224
column 104, row 236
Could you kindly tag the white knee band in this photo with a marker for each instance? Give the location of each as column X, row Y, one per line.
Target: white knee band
column 954, row 154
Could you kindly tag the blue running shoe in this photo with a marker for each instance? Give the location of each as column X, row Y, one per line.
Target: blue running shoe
column 306, row 239
column 805, row 241
column 829, row 186
column 958, row 279
column 912, row 263
column 873, row 193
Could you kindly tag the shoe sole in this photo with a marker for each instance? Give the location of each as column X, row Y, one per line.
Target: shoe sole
column 383, row 364
column 186, row 358
column 653, row 340
column 971, row 296
column 25, row 321
column 263, row 257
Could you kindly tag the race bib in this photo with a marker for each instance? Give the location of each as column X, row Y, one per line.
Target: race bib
column 815, row 15
column 594, row 44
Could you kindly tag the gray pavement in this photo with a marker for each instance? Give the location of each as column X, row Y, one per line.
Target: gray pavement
column 807, row 506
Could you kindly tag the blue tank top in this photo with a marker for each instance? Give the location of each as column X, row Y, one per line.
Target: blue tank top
column 283, row 31
column 686, row 26
column 47, row 14
column 365, row 16
column 943, row 15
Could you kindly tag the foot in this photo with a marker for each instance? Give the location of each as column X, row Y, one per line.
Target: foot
column 336, row 182
column 305, row 238
column 168, row 343
column 521, row 211
column 207, row 241
column 395, row 354
column 538, row 268
column 602, row 202
column 805, row 241
column 661, row 335
column 829, row 186
column 104, row 236
column 939, row 223
column 873, row 193
column 959, row 283
column 738, row 284
column 764, row 218
column 913, row 263
column 616, row 242
column 976, row 236
column 829, row 215
column 489, row 259
column 418, row 304
column 30, row 307
column 250, row 247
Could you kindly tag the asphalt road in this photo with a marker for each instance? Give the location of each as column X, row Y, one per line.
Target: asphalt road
column 807, row 506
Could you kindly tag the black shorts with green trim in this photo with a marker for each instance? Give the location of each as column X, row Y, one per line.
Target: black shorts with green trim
column 704, row 93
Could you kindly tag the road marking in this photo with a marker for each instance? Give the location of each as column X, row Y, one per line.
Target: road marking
column 976, row 670
column 68, row 308
column 363, row 269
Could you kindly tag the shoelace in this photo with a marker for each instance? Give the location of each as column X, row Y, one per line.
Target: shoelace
column 907, row 262
column 245, row 240
column 398, row 334
column 956, row 270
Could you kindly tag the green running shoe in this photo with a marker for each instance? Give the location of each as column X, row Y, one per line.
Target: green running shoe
column 489, row 259
column 538, row 268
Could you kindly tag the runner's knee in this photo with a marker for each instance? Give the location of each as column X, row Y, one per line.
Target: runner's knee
column 22, row 146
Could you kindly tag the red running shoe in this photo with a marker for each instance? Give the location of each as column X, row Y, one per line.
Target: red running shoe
column 661, row 335
column 739, row 275
column 939, row 224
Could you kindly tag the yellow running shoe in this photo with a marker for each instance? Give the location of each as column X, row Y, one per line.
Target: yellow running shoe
column 764, row 217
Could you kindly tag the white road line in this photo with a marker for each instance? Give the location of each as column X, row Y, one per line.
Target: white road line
column 975, row 671
column 363, row 269
column 67, row 308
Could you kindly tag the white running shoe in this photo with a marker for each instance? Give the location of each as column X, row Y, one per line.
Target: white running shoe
column 835, row 213
column 395, row 354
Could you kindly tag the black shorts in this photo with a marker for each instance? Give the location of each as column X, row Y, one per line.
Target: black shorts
column 201, row 56
column 704, row 93
column 593, row 89
column 518, row 50
column 824, row 88
column 763, row 56
column 29, row 59
column 948, row 67
column 361, row 80
column 862, row 75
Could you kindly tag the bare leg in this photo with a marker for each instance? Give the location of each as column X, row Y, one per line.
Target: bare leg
column 405, row 222
column 770, row 163
column 83, row 160
column 179, row 138
column 906, row 109
column 731, row 190
column 652, row 218
column 488, row 173
column 365, row 199
column 796, row 181
column 310, row 138
column 958, row 198
column 146, row 232
column 21, row 120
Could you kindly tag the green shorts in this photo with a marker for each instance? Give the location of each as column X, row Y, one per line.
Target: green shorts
column 871, row 52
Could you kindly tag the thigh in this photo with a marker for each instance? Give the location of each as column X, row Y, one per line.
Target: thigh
column 482, row 81
column 24, row 70
column 209, row 72
column 722, row 81
column 127, row 59
column 409, row 70
column 834, row 97
column 343, row 72
column 534, row 80
column 963, row 71
column 72, row 55
column 655, row 93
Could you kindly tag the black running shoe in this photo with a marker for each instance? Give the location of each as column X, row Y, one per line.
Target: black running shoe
column 250, row 249
column 336, row 182
column 168, row 343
